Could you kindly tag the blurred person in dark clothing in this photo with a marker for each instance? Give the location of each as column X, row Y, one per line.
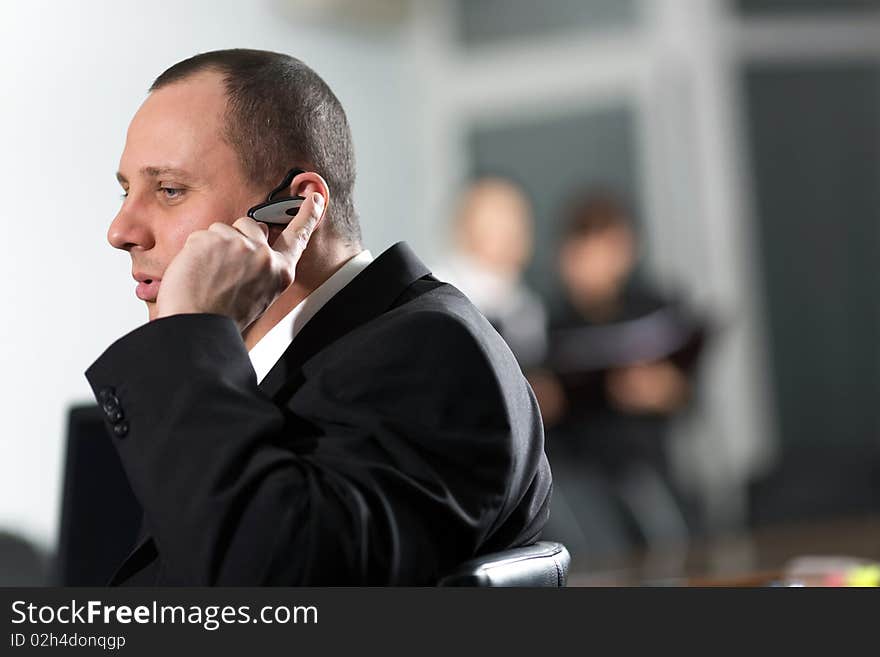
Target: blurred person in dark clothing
column 620, row 365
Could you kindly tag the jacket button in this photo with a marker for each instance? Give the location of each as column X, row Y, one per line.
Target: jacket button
column 120, row 429
column 116, row 416
column 110, row 404
column 104, row 393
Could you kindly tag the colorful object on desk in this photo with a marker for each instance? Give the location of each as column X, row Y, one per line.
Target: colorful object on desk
column 832, row 571
column 835, row 579
column 864, row 576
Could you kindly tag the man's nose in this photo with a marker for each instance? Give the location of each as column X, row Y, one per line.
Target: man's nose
column 129, row 230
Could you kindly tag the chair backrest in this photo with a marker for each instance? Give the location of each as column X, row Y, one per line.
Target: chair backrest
column 21, row 562
column 543, row 564
column 100, row 515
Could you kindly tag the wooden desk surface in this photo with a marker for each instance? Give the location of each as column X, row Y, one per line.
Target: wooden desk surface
column 756, row 558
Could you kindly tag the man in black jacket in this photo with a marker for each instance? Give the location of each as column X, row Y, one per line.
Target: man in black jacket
column 297, row 412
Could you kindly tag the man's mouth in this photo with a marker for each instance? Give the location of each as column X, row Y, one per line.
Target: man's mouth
column 147, row 288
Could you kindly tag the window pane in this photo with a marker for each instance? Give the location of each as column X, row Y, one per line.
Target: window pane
column 815, row 140
column 763, row 7
column 482, row 21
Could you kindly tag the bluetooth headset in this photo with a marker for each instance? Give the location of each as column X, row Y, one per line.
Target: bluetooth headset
column 278, row 211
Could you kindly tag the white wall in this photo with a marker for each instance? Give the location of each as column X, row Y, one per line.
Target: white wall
column 72, row 76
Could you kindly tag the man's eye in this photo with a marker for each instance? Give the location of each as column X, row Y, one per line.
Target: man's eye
column 124, row 194
column 172, row 192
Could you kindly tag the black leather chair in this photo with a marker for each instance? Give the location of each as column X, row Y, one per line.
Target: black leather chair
column 21, row 562
column 543, row 564
column 100, row 515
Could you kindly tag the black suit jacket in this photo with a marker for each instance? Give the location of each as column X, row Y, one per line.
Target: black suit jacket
column 395, row 438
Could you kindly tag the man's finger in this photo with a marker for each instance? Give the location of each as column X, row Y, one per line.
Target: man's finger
column 258, row 232
column 223, row 229
column 294, row 239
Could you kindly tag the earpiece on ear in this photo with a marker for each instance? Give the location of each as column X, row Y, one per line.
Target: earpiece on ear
column 279, row 212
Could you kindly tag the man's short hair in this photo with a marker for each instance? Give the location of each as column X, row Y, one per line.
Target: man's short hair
column 281, row 115
column 593, row 213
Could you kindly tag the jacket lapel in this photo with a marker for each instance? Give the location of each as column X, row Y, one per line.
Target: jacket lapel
column 143, row 552
column 367, row 296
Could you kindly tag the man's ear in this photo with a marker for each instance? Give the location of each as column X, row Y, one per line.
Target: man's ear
column 310, row 182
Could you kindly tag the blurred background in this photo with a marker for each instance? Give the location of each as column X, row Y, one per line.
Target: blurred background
column 668, row 208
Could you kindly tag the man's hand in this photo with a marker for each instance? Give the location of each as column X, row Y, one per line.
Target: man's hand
column 233, row 271
column 658, row 387
column 550, row 395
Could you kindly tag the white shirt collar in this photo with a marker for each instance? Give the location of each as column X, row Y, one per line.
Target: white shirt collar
column 271, row 346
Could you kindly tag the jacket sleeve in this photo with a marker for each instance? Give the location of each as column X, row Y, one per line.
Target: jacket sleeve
column 387, row 470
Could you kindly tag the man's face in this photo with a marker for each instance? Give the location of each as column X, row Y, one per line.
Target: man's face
column 594, row 267
column 179, row 175
column 497, row 228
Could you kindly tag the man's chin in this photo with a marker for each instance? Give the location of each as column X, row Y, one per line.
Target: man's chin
column 152, row 310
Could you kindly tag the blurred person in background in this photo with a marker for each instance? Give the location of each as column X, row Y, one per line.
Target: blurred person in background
column 492, row 246
column 620, row 363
